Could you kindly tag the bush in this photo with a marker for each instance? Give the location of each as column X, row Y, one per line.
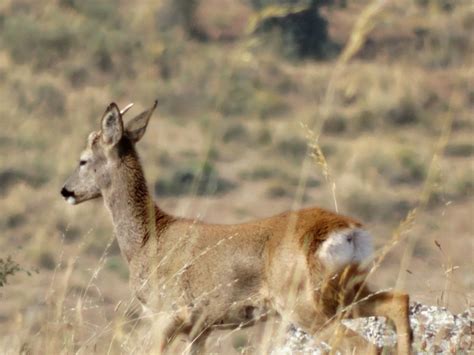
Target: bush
column 267, row 104
column 445, row 5
column 77, row 76
column 370, row 206
column 294, row 148
column 238, row 92
column 395, row 165
column 412, row 168
column 116, row 264
column 335, row 124
column 459, row 149
column 93, row 9
column 10, row 177
column 199, row 180
column 260, row 173
column 31, row 42
column 43, row 98
column 462, row 186
column 245, row 90
column 185, row 11
column 112, row 50
column 15, row 220
column 301, row 33
column 235, row 132
column 405, row 112
column 50, row 100
column 103, row 56
column 260, row 4
column 46, row 260
column 8, row 267
column 264, row 136
column 278, row 191
column 446, row 45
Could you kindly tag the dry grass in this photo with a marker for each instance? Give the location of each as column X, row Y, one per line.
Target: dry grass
column 378, row 120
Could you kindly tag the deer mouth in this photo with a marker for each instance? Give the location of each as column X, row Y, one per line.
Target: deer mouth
column 69, row 196
column 71, row 200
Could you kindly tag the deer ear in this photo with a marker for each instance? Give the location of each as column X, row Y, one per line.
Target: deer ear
column 112, row 125
column 136, row 127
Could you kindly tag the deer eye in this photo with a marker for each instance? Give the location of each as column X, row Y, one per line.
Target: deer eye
column 82, row 162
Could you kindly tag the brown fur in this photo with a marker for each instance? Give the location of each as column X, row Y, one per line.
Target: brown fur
column 195, row 275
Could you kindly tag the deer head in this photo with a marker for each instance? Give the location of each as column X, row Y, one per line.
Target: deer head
column 103, row 154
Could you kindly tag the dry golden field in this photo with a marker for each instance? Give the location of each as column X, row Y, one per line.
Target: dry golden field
column 380, row 126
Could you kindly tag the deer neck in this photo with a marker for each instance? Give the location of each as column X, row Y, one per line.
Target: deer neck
column 134, row 213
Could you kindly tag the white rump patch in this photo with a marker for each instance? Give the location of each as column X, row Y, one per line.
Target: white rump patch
column 345, row 247
column 71, row 200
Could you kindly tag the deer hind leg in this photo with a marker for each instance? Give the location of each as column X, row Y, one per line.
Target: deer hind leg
column 393, row 306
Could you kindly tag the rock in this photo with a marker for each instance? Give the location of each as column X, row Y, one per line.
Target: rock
column 435, row 331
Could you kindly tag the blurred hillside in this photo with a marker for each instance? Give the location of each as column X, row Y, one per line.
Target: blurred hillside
column 245, row 87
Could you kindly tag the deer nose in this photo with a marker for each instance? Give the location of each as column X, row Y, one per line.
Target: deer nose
column 66, row 193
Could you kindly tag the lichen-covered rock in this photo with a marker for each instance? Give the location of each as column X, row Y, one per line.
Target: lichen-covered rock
column 435, row 331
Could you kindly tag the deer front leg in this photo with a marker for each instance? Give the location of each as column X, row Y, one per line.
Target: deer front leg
column 198, row 331
column 333, row 332
column 341, row 338
column 393, row 306
column 198, row 342
column 164, row 329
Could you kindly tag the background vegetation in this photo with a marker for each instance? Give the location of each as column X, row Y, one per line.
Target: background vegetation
column 265, row 105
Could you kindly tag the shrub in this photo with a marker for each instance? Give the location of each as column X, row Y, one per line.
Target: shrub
column 260, row 4
column 405, row 112
column 238, row 92
column 116, row 264
column 260, row 173
column 462, row 185
column 445, row 5
column 186, row 15
column 464, row 149
column 264, row 136
column 370, row 206
column 235, row 132
column 245, row 90
column 33, row 42
column 267, row 104
column 98, row 10
column 446, row 45
column 200, row 180
column 8, row 267
column 77, row 76
column 336, row 124
column 395, row 165
column 294, row 148
column 15, row 220
column 278, row 191
column 10, row 177
column 46, row 260
column 412, row 167
column 365, row 120
column 103, row 56
column 301, row 33
column 50, row 100
column 186, row 9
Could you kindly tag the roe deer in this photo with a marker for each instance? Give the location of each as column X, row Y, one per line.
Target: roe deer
column 306, row 266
